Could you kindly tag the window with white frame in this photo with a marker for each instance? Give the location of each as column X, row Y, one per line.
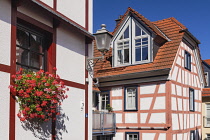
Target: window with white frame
column 192, row 135
column 132, row 135
column 207, row 136
column 191, row 99
column 131, row 98
column 187, row 60
column 206, row 74
column 207, row 119
column 132, row 44
column 104, row 100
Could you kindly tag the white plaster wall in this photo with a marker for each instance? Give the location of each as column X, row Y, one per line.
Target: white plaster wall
column 34, row 131
column 184, row 92
column 192, row 120
column 5, row 32
column 173, row 103
column 145, row 103
column 35, row 14
column 185, row 136
column 48, row 2
column 174, row 137
column 70, row 55
column 175, row 123
column 162, row 88
column 158, row 118
column 179, row 90
column 179, row 136
column 74, row 119
column 179, row 104
column 174, row 74
column 147, row 89
column 148, row 136
column 90, row 16
column 74, row 10
column 178, row 61
column 173, row 89
column 5, row 104
column 179, row 79
column 160, row 103
column 185, row 119
column 185, row 104
column 143, row 117
column 181, row 121
column 118, row 118
column 119, row 136
column 117, row 105
column 117, row 91
column 131, row 117
column 162, row 136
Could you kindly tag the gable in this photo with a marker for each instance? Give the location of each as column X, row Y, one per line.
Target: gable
column 179, row 73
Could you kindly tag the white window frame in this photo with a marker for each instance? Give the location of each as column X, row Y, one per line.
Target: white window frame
column 131, row 23
column 207, row 78
column 191, row 99
column 134, row 99
column 106, row 94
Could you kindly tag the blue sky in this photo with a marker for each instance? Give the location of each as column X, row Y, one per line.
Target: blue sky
column 194, row 14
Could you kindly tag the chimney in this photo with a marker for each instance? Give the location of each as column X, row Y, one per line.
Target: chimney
column 118, row 20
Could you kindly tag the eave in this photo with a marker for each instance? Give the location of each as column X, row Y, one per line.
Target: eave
column 58, row 16
column 134, row 78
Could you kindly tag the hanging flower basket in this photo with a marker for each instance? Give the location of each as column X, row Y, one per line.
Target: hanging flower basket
column 38, row 94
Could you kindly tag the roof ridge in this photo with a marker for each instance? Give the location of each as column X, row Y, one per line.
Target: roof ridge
column 162, row 20
column 146, row 21
column 178, row 23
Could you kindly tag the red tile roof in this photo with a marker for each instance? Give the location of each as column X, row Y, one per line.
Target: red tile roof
column 207, row 61
column 164, row 57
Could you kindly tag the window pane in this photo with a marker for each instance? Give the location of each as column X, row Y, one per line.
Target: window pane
column 143, row 33
column 138, row 31
column 36, row 60
column 144, row 41
column 138, row 54
column 130, row 137
column 145, row 53
column 191, row 100
column 131, row 98
column 138, row 42
column 126, row 56
column 21, row 56
column 126, row 33
column 35, row 43
column 22, row 38
column 120, row 57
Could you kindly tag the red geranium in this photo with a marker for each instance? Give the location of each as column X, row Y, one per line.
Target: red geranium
column 39, row 94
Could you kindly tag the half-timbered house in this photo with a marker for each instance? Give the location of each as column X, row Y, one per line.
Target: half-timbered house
column 152, row 78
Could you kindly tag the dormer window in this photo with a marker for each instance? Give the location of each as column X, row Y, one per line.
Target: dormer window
column 132, row 45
